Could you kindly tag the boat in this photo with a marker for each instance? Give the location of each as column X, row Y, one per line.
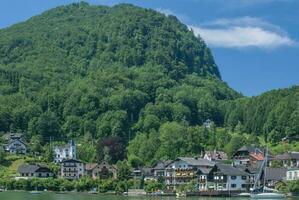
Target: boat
column 93, row 191
column 35, row 192
column 244, row 194
column 265, row 192
column 181, row 194
column 268, row 195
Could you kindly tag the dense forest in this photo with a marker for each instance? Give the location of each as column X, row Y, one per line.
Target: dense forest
column 129, row 78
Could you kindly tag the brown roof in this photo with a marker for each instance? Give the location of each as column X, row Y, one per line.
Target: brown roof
column 90, row 166
column 217, row 155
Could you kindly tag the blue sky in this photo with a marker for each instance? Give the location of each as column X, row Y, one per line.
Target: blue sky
column 255, row 42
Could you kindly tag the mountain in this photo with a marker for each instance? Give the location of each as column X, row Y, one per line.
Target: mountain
column 274, row 114
column 81, row 71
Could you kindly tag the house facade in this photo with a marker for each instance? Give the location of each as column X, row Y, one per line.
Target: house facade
column 67, row 151
column 34, row 171
column 72, row 169
column 183, row 170
column 225, row 177
column 248, row 155
column 15, row 145
column 275, row 175
column 288, row 159
column 292, row 174
column 159, row 168
column 215, row 156
column 102, row 170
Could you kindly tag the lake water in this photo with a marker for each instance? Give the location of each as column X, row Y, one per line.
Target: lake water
column 83, row 196
column 10, row 195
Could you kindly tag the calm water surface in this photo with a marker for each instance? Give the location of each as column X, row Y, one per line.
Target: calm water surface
column 83, row 196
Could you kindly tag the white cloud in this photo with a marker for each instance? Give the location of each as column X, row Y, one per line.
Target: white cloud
column 243, row 32
column 240, row 37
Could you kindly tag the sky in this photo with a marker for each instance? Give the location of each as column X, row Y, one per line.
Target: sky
column 255, row 43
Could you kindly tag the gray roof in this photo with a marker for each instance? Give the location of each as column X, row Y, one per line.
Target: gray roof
column 230, row 170
column 161, row 164
column 276, row 174
column 204, row 170
column 288, row 156
column 25, row 168
column 195, row 162
column 28, row 168
column 251, row 149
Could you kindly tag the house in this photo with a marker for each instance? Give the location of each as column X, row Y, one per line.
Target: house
column 226, row 177
column 145, row 172
column 67, row 151
column 288, row 159
column 208, row 123
column 15, row 145
column 215, row 156
column 102, row 170
column 34, row 171
column 274, row 176
column 184, row 169
column 159, row 168
column 253, row 171
column 202, row 177
column 72, row 169
column 248, row 155
column 292, row 174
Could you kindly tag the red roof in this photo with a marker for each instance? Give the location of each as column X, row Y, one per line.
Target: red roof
column 257, row 156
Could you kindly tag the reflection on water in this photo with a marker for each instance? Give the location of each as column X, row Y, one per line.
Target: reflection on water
column 84, row 196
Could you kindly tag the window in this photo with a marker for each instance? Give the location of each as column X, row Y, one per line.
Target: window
column 233, row 185
column 221, row 177
column 233, row 177
column 243, row 185
column 244, row 177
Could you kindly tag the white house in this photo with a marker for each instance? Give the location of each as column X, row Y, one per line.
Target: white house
column 15, row 146
column 228, row 178
column 68, row 151
column 292, row 174
column 72, row 169
column 184, row 169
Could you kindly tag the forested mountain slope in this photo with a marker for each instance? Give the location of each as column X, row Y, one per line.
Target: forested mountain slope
column 274, row 114
column 80, row 68
column 97, row 71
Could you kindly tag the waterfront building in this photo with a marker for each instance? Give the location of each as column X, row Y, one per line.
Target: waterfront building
column 288, row 159
column 292, row 174
column 248, row 155
column 72, row 169
column 225, row 177
column 183, row 170
column 101, row 170
column 275, row 175
column 34, row 171
column 159, row 168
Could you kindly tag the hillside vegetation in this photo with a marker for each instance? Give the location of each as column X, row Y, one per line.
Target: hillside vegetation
column 89, row 72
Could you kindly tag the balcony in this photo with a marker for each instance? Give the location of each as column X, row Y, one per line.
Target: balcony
column 70, row 171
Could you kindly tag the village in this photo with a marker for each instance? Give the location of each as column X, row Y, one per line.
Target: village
column 212, row 173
